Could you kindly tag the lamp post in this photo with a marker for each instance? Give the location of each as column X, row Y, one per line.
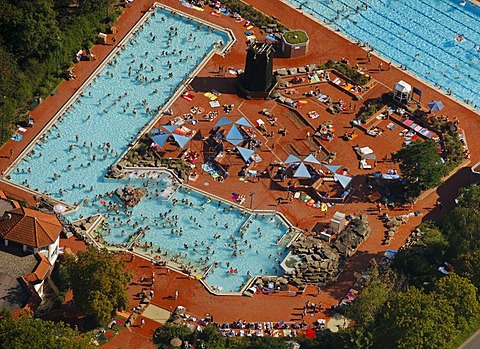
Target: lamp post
column 252, row 193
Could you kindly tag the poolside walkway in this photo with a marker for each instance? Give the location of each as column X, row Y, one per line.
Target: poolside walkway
column 324, row 45
column 44, row 112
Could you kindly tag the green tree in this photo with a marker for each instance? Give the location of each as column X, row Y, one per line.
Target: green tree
column 462, row 296
column 453, row 148
column 63, row 3
column 211, row 337
column 468, row 265
column 10, row 78
column 421, row 165
column 92, row 5
column 30, row 28
column 261, row 343
column 462, row 230
column 368, row 305
column 327, row 340
column 420, row 262
column 99, row 283
column 26, row 332
column 360, row 338
column 469, row 197
column 165, row 333
column 414, row 319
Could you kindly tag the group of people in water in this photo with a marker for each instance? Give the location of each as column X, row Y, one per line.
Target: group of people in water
column 200, row 252
column 119, row 220
column 83, row 153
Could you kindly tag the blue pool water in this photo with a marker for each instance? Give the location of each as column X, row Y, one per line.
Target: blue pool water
column 187, row 227
column 71, row 160
column 418, row 34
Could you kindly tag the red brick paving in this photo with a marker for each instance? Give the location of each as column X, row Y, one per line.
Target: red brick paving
column 324, row 45
column 135, row 337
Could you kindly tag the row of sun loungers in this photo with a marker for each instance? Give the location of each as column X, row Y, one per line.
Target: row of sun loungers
column 261, row 329
column 419, row 129
column 293, row 71
column 258, row 333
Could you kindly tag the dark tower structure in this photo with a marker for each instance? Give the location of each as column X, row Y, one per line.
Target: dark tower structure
column 258, row 81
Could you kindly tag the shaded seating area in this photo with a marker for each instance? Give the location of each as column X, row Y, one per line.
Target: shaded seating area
column 346, row 85
column 215, row 170
column 316, row 183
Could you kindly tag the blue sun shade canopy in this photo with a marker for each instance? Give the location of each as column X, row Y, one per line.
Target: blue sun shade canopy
column 160, row 139
column 244, row 122
column 343, row 180
column 302, row 172
column 333, row 168
column 245, row 153
column 311, row 159
column 234, row 136
column 170, row 128
column 223, row 121
column 181, row 140
column 291, row 159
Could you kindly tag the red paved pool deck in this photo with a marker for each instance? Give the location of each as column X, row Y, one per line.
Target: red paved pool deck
column 324, row 45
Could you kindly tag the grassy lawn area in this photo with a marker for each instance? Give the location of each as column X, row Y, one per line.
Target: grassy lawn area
column 469, row 331
column 295, row 37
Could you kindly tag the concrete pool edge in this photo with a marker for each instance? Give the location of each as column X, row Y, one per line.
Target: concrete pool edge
column 181, row 88
column 118, row 48
column 200, row 276
column 383, row 58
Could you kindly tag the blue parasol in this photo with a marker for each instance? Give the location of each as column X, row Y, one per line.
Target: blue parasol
column 170, row 128
column 223, row 121
column 291, row 159
column 160, row 139
column 302, row 172
column 435, row 105
column 311, row 159
column 333, row 168
column 245, row 153
column 180, row 139
column 344, row 180
column 243, row 121
column 234, row 136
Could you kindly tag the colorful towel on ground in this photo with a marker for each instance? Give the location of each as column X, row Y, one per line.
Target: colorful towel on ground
column 210, row 96
column 188, row 96
column 214, row 104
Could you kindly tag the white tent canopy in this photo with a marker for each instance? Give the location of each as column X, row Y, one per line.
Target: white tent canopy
column 402, row 92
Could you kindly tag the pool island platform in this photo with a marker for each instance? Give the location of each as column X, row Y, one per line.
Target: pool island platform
column 215, row 75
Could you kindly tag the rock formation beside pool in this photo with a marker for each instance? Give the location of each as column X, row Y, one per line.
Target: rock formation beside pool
column 129, row 195
column 322, row 262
